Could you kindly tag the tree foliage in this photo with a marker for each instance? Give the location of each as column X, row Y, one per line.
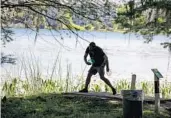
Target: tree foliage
column 51, row 14
column 146, row 17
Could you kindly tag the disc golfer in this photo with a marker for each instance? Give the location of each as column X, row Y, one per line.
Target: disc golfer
column 98, row 61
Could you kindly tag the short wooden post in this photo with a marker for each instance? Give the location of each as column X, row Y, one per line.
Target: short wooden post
column 133, row 82
column 157, row 94
column 157, row 76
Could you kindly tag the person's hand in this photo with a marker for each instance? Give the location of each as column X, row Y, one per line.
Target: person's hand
column 109, row 72
column 107, row 69
column 88, row 63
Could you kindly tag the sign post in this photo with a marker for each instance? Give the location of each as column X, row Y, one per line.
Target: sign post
column 133, row 82
column 157, row 76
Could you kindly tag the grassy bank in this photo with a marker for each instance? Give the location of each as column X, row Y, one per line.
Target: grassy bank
column 59, row 106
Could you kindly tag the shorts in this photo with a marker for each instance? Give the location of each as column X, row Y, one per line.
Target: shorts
column 93, row 70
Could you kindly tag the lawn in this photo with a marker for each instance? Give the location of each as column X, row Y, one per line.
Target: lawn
column 59, row 106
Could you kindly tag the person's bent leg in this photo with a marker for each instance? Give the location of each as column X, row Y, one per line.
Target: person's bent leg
column 101, row 73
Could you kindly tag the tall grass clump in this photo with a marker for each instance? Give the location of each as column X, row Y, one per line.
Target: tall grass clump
column 166, row 89
column 19, row 87
column 122, row 85
column 34, row 82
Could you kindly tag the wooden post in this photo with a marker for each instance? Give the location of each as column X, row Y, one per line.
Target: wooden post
column 157, row 76
column 157, row 94
column 133, row 82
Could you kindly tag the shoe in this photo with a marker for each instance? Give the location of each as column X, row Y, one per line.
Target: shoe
column 114, row 91
column 84, row 90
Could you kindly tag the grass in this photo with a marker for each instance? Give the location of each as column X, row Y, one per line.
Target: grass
column 18, row 87
column 59, row 106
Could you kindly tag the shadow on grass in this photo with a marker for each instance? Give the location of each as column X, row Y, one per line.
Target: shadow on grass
column 58, row 106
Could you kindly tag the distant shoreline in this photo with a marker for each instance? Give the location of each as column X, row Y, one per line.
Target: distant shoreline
column 100, row 30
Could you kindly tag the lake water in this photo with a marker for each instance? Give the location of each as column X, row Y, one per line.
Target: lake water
column 128, row 54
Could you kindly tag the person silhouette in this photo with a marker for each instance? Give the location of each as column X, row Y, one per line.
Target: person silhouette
column 99, row 61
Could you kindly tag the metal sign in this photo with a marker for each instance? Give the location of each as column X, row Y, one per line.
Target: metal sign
column 157, row 73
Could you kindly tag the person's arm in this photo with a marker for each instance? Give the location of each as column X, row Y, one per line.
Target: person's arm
column 85, row 57
column 107, row 65
column 106, row 62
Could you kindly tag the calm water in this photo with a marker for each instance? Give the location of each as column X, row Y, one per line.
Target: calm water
column 127, row 54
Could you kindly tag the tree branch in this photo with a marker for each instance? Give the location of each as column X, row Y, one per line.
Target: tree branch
column 68, row 26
